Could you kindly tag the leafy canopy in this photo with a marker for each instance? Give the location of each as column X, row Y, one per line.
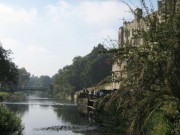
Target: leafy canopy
column 8, row 70
column 84, row 72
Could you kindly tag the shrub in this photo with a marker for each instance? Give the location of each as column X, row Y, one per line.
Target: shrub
column 10, row 124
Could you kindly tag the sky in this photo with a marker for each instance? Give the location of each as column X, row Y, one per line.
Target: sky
column 45, row 35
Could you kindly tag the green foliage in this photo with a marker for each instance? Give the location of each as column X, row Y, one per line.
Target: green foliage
column 28, row 80
column 8, row 70
column 33, row 81
column 109, row 116
column 42, row 81
column 157, row 125
column 11, row 96
column 2, row 95
column 84, row 72
column 14, row 97
column 45, row 81
column 9, row 123
column 24, row 77
column 152, row 80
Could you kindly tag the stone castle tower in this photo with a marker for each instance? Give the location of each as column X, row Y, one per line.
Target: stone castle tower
column 125, row 33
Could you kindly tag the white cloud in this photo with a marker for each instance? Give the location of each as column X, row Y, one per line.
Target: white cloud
column 49, row 39
column 38, row 55
column 10, row 43
column 102, row 12
column 92, row 12
column 14, row 15
column 35, row 50
column 38, row 60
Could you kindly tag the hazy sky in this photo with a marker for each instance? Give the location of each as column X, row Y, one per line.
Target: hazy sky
column 45, row 35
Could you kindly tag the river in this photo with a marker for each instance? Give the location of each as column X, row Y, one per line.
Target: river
column 44, row 116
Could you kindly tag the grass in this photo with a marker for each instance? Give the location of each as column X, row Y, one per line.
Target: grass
column 9, row 96
column 3, row 94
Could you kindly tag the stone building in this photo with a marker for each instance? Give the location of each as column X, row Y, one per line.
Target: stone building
column 126, row 31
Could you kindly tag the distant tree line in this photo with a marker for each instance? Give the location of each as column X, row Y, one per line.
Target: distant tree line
column 25, row 79
column 83, row 72
column 11, row 78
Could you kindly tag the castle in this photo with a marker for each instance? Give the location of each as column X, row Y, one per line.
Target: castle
column 125, row 33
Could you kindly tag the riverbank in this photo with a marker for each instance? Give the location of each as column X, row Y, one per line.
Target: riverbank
column 12, row 96
column 2, row 95
column 62, row 96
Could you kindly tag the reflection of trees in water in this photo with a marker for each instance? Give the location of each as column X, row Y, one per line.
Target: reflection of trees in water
column 99, row 132
column 19, row 109
column 39, row 94
column 70, row 114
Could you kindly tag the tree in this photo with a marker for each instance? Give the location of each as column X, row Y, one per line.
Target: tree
column 10, row 124
column 33, row 81
column 24, row 77
column 150, row 89
column 84, row 72
column 8, row 70
column 45, row 81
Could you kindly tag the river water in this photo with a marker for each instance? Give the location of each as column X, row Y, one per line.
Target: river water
column 43, row 116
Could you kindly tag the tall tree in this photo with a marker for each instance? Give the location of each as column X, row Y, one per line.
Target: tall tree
column 8, row 70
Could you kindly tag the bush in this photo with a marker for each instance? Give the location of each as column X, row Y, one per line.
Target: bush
column 10, row 124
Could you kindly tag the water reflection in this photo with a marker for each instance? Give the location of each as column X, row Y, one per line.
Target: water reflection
column 19, row 109
column 38, row 113
column 98, row 132
column 71, row 114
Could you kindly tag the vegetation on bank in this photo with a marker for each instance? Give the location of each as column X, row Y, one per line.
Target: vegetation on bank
column 2, row 95
column 63, row 96
column 9, row 96
column 15, row 96
column 148, row 101
column 84, row 72
column 11, row 79
column 10, row 124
